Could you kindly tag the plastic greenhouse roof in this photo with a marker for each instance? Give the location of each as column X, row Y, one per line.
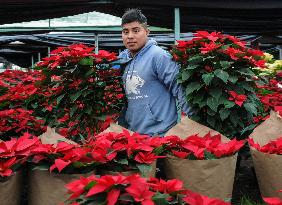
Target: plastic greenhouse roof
column 92, row 21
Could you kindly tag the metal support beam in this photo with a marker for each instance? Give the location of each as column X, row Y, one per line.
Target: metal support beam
column 49, row 50
column 96, row 43
column 32, row 61
column 176, row 24
column 39, row 56
column 280, row 52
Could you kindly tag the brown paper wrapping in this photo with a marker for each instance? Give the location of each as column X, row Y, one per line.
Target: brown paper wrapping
column 213, row 178
column 189, row 127
column 10, row 190
column 268, row 169
column 115, row 128
column 268, row 130
column 51, row 137
column 47, row 188
column 268, row 166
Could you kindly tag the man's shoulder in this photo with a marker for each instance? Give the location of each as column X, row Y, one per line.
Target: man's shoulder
column 159, row 51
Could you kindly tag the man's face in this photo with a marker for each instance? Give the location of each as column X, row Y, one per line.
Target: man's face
column 134, row 36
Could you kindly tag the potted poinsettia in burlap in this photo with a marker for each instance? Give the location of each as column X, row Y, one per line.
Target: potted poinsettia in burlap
column 54, row 165
column 216, row 72
column 13, row 156
column 87, row 90
column 206, row 164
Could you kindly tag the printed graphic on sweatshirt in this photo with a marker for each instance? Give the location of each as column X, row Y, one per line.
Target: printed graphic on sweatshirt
column 133, row 84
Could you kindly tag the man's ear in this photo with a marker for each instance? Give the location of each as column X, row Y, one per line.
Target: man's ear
column 147, row 31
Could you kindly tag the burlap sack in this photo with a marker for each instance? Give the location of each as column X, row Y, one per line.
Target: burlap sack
column 51, row 137
column 10, row 189
column 268, row 166
column 47, row 188
column 213, row 178
column 188, row 127
column 115, row 128
column 268, row 169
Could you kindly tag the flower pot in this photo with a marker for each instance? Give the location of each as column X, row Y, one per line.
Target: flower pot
column 268, row 171
column 213, row 178
column 10, row 189
column 47, row 188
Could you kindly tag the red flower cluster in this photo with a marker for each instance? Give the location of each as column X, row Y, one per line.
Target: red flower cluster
column 134, row 190
column 238, row 99
column 14, row 122
column 207, row 147
column 15, row 152
column 73, row 54
column 216, row 42
column 273, row 147
column 271, row 95
column 111, row 151
column 124, row 151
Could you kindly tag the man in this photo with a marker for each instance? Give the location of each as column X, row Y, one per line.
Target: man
column 149, row 77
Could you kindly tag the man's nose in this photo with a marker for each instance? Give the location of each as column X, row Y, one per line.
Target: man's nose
column 130, row 35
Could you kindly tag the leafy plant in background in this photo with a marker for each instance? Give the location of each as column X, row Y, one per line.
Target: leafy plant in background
column 216, row 72
column 86, row 88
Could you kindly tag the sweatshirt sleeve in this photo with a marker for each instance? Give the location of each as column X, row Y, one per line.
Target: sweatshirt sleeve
column 166, row 70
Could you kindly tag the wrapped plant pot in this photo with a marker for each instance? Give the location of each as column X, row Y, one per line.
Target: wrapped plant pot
column 47, row 188
column 213, row 178
column 266, row 151
column 10, row 189
column 206, row 163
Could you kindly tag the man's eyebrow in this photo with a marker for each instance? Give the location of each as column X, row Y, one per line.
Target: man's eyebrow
column 131, row 28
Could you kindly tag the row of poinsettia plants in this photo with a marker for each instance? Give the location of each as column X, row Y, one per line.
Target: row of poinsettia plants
column 77, row 91
column 111, row 151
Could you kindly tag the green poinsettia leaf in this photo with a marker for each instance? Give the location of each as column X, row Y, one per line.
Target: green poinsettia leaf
column 215, row 92
column 250, row 108
column 76, row 95
column 224, row 113
column 60, row 98
column 225, row 64
column 233, row 79
column 191, row 87
column 145, row 169
column 207, row 78
column 160, row 199
column 222, row 75
column 86, row 61
column 212, row 103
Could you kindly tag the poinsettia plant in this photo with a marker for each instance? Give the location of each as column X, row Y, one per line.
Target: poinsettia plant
column 123, row 151
column 133, row 189
column 17, row 117
column 64, row 158
column 15, row 122
column 87, row 88
column 216, row 72
column 15, row 152
column 273, row 147
column 270, row 95
column 195, row 147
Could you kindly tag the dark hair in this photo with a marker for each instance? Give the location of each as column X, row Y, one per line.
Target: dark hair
column 132, row 15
